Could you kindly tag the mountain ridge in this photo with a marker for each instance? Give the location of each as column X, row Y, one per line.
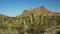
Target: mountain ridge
column 39, row 10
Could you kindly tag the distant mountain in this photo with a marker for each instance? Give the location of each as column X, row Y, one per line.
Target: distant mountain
column 39, row 11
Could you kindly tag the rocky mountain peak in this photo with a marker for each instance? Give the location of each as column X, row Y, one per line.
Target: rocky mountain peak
column 39, row 11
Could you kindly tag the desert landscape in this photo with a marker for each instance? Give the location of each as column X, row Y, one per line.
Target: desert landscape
column 35, row 21
column 29, row 16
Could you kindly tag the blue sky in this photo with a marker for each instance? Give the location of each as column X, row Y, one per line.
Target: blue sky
column 16, row 7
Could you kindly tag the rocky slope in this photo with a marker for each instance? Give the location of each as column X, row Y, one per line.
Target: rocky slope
column 40, row 10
